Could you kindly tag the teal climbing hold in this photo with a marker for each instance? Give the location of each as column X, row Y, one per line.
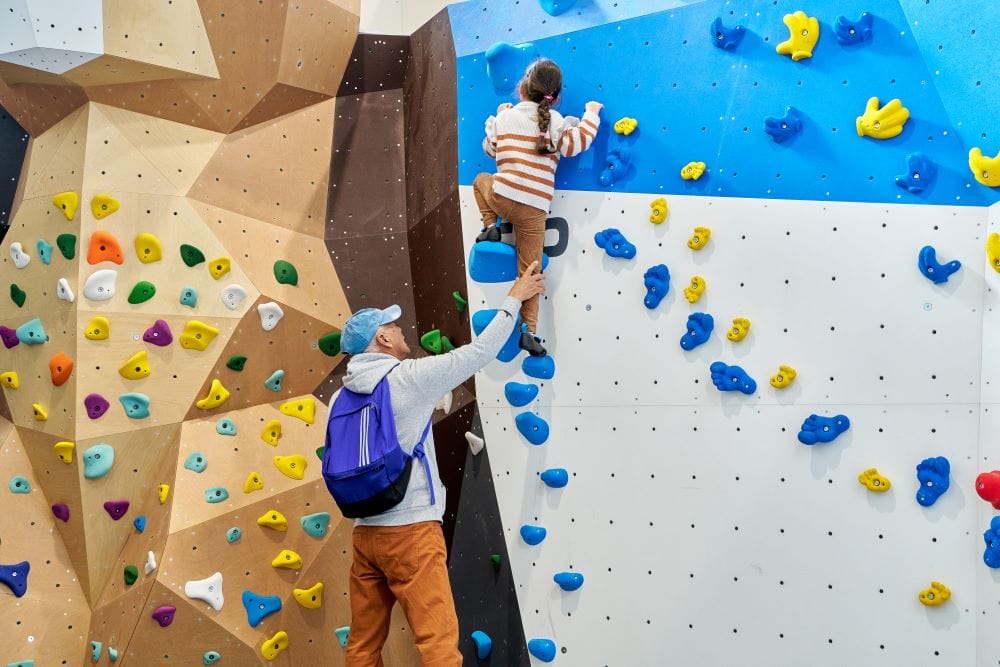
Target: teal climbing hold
column 532, row 427
column 95, row 651
column 555, row 478
column 543, row 649
column 543, row 368
column 216, row 494
column 484, row 645
column 532, row 534
column 518, row 394
column 44, row 251
column 342, row 634
column 189, row 297
column 31, row 332
column 196, row 461
column 19, row 484
column 18, row 295
column 569, row 581
column 112, row 654
column 67, row 245
column 233, row 534
column 226, row 426
column 285, row 273
column 97, row 460
column 136, row 405
column 316, row 524
column 259, row 606
column 274, row 382
column 22, row 663
column 211, row 657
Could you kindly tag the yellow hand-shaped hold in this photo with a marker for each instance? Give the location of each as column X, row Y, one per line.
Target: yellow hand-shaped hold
column 310, row 598
column 700, row 238
column 874, row 481
column 803, row 34
column 66, row 202
column 219, row 267
column 148, row 248
column 64, row 450
column 304, row 409
column 659, row 210
column 985, row 169
column 103, row 205
column 97, row 329
column 40, row 414
column 163, row 492
column 783, row 378
column 937, row 594
column 275, row 645
column 274, row 520
column 884, row 123
column 694, row 291
column 287, row 559
column 739, row 330
column 271, row 432
column 293, row 466
column 217, row 395
column 626, row 126
column 197, row 335
column 137, row 367
column 10, row 380
column 254, row 483
column 692, row 171
column 993, row 250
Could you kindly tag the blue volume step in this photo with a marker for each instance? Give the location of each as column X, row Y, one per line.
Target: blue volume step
column 495, row 262
column 519, row 395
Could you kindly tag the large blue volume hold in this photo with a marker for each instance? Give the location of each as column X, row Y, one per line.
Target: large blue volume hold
column 506, row 64
column 543, row 649
column 543, row 368
column 934, row 475
column 992, row 537
column 16, row 577
column 482, row 318
column 495, row 262
column 259, row 606
column 822, row 429
column 519, row 395
column 532, row 427
column 933, row 270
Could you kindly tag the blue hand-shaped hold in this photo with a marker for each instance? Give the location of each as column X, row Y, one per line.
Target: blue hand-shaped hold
column 783, row 128
column 725, row 38
column 543, row 368
column 532, row 427
column 933, row 270
column 731, row 378
column 484, row 645
column 569, row 581
column 657, row 282
column 920, row 173
column 139, row 523
column 519, row 395
column 506, row 63
column 614, row 243
column 933, row 475
column 992, row 537
column 853, row 32
column 543, row 649
column 616, row 166
column 555, row 478
column 259, row 606
column 45, row 251
column 822, row 429
column 15, row 577
column 482, row 318
column 556, row 7
column 699, row 328
column 532, row 534
column 496, row 262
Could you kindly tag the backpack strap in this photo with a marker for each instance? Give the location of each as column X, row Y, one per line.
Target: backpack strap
column 419, row 453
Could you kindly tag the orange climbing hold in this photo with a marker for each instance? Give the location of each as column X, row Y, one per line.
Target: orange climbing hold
column 60, row 367
column 104, row 247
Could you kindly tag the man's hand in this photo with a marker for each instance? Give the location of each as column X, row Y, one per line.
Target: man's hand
column 528, row 284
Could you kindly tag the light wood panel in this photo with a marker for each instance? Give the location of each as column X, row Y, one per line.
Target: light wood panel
column 54, row 161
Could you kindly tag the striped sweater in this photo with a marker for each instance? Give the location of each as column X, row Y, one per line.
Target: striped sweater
column 524, row 174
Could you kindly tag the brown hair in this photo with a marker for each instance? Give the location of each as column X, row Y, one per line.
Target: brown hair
column 542, row 84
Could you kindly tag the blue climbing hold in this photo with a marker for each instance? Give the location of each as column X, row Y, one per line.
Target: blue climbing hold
column 556, row 478
column 495, row 262
column 556, row 7
column 233, row 534
column 920, row 173
column 19, row 484
column 136, row 405
column 189, row 297
column 532, row 427
column 226, row 426
column 725, row 38
column 699, row 328
column 210, row 658
column 22, row 663
column 196, row 461
column 482, row 318
column 31, row 332
column 342, row 634
column 934, row 271
column 15, row 577
column 97, row 460
column 484, row 645
column 112, row 655
column 992, row 536
column 853, row 32
column 616, row 166
column 274, row 382
column 934, row 477
column 569, row 581
column 316, row 524
column 44, row 251
column 259, row 606
column 139, row 523
column 543, row 649
column 216, row 494
column 506, row 64
column 543, row 368
column 95, row 651
column 519, row 395
column 532, row 534
column 614, row 243
column 822, row 429
column 783, row 128
column 731, row 378
column 657, row 282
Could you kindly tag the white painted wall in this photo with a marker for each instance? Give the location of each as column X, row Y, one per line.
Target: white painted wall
column 51, row 35
column 397, row 17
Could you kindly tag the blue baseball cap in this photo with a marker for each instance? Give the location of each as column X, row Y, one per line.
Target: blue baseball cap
column 360, row 329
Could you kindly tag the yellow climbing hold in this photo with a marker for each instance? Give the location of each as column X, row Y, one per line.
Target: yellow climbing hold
column 626, row 125
column 66, row 202
column 692, row 171
column 700, row 238
column 271, row 432
column 293, row 466
column 103, row 205
column 310, row 598
column 659, row 210
column 993, row 250
column 137, row 367
column 148, row 248
column 985, row 169
column 40, row 414
column 739, row 330
column 694, row 291
column 10, row 380
column 64, row 450
column 803, row 35
column 874, row 481
column 937, row 594
column 219, row 267
column 273, row 519
column 304, row 409
column 254, row 483
column 882, row 123
column 783, row 378
column 163, row 492
column 275, row 645
column 97, row 329
column 287, row 559
column 197, row 335
column 217, row 395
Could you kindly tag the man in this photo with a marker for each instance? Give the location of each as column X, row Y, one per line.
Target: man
column 400, row 554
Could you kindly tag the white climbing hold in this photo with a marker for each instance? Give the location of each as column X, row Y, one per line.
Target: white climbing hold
column 445, row 402
column 100, row 286
column 150, row 562
column 476, row 443
column 270, row 314
column 21, row 258
column 208, row 590
column 233, row 295
column 64, row 291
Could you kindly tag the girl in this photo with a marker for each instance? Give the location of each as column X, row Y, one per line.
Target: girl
column 527, row 141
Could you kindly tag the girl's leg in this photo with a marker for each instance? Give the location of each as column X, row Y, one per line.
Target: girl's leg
column 529, row 228
column 482, row 187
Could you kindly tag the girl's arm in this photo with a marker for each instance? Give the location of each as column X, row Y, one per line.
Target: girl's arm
column 576, row 138
column 490, row 141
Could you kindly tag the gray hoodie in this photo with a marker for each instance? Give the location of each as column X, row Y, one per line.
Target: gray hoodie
column 416, row 386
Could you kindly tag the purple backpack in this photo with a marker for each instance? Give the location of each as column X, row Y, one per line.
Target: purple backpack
column 365, row 469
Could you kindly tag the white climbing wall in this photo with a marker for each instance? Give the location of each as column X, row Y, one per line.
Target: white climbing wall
column 708, row 535
column 398, row 17
column 51, row 35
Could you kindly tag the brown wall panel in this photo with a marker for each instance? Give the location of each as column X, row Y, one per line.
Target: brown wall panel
column 376, row 64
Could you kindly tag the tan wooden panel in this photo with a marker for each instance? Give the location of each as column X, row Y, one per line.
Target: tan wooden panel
column 170, row 98
column 54, row 162
column 115, row 165
column 317, row 43
column 37, row 108
column 113, row 623
column 108, row 70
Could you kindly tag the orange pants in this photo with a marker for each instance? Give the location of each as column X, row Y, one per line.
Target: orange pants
column 408, row 564
column 529, row 227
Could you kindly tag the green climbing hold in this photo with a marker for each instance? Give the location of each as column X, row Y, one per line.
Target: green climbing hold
column 431, row 341
column 67, row 245
column 131, row 574
column 142, row 292
column 285, row 273
column 460, row 301
column 191, row 255
column 495, row 561
column 17, row 295
column 236, row 362
column 330, row 344
column 319, row 452
column 446, row 344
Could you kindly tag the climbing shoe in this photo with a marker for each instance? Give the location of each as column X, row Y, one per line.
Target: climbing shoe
column 531, row 344
column 491, row 233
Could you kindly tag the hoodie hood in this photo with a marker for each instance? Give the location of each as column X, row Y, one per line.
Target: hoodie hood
column 366, row 370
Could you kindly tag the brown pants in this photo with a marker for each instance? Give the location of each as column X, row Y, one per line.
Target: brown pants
column 408, row 564
column 529, row 227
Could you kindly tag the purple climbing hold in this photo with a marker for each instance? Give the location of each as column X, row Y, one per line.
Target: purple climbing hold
column 116, row 508
column 96, row 405
column 61, row 511
column 158, row 334
column 16, row 577
column 164, row 615
column 9, row 337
